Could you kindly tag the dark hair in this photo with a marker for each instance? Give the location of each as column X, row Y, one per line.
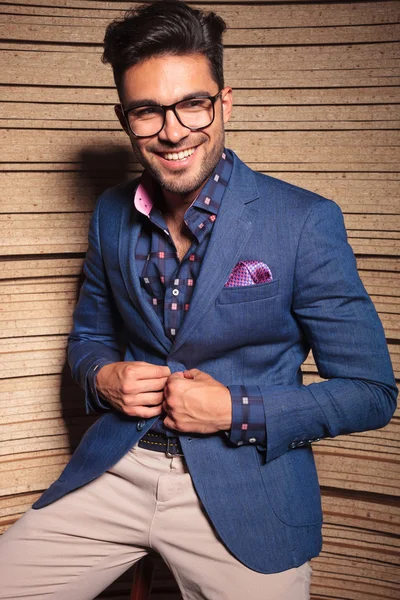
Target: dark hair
column 164, row 27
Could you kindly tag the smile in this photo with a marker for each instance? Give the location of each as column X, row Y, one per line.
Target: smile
column 178, row 155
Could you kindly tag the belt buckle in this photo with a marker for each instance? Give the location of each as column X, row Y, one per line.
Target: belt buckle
column 170, row 451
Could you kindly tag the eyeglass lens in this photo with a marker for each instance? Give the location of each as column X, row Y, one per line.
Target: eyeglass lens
column 194, row 113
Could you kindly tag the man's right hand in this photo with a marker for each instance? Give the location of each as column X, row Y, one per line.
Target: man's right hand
column 135, row 388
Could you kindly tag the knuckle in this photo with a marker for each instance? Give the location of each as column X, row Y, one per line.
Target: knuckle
column 170, row 402
column 126, row 388
column 130, row 369
column 174, row 385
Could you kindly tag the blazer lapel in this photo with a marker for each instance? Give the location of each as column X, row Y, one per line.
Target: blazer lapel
column 128, row 236
column 231, row 230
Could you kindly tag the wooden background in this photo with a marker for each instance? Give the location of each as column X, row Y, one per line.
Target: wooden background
column 316, row 88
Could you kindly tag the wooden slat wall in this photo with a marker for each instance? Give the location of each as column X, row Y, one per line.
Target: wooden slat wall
column 316, row 90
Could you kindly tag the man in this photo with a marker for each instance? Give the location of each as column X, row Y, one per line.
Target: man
column 206, row 285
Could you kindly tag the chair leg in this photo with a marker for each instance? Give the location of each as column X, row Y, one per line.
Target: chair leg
column 142, row 579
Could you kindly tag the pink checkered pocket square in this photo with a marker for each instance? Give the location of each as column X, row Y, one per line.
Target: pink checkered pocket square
column 249, row 272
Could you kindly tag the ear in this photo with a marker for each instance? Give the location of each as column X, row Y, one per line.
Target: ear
column 121, row 118
column 227, row 101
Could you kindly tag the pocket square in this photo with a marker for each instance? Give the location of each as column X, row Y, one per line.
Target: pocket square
column 249, row 272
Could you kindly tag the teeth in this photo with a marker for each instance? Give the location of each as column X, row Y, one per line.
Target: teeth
column 179, row 155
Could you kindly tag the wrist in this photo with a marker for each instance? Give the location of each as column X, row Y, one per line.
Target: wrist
column 225, row 423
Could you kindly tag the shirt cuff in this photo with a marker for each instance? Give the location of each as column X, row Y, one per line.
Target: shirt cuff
column 248, row 416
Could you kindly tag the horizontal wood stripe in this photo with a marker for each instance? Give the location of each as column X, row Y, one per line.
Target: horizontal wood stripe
column 115, row 4
column 357, row 470
column 80, row 31
column 335, row 562
column 244, row 15
column 364, row 511
column 378, row 264
column 68, row 67
column 354, row 578
column 41, row 267
column 100, row 102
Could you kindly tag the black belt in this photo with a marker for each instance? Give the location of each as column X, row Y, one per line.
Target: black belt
column 158, row 442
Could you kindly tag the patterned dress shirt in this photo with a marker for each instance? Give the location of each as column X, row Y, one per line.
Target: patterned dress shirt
column 168, row 283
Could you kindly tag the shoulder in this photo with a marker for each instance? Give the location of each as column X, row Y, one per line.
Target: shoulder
column 273, row 193
column 288, row 193
column 295, row 203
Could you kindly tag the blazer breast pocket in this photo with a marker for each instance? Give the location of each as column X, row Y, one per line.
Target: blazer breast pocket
column 248, row 293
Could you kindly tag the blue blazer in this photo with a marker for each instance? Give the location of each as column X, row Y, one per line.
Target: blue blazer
column 264, row 502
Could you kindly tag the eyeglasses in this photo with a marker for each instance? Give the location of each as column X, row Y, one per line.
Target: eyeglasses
column 193, row 113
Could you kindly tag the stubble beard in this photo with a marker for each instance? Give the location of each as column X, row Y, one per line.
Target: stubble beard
column 178, row 183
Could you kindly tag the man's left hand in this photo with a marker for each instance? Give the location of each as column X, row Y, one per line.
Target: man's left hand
column 196, row 402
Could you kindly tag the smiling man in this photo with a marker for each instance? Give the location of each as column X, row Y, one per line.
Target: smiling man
column 220, row 280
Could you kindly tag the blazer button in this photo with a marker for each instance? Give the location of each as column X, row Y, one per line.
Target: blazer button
column 140, row 424
column 302, row 443
column 292, row 446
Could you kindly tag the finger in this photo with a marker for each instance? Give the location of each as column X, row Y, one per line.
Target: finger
column 150, row 385
column 147, row 371
column 149, row 399
column 144, row 412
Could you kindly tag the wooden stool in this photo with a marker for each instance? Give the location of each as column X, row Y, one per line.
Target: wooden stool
column 142, row 579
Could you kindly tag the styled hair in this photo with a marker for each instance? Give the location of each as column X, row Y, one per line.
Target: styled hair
column 161, row 28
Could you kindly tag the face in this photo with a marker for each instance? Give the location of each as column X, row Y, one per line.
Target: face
column 166, row 80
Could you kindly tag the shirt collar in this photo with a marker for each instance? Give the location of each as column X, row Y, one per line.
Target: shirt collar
column 208, row 199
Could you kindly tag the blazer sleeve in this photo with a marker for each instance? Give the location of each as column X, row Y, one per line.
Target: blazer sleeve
column 347, row 339
column 94, row 340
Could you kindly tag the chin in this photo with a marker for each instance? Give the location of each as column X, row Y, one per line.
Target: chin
column 183, row 187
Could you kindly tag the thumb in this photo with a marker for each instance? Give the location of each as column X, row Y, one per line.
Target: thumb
column 196, row 374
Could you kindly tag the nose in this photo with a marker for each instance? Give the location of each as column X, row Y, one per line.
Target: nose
column 173, row 131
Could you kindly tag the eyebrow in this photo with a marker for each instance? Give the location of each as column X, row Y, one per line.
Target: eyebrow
column 150, row 102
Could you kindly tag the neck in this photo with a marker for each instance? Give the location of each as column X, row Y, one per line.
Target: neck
column 174, row 206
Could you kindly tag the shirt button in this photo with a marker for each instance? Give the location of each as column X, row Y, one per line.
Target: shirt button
column 140, row 425
column 175, row 292
column 252, row 440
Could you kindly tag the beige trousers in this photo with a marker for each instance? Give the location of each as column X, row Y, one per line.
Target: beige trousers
column 77, row 546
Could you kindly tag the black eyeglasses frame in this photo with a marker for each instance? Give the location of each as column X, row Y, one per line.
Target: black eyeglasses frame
column 173, row 108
